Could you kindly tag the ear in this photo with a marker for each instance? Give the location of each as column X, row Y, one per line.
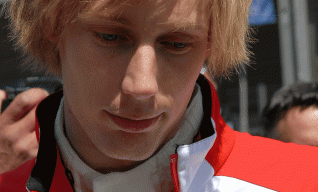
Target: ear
column 208, row 51
column 208, row 46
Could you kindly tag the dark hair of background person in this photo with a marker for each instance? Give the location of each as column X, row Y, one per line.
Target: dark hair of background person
column 298, row 94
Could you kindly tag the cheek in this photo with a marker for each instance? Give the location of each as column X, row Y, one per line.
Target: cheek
column 88, row 75
column 184, row 75
column 178, row 75
column 179, row 84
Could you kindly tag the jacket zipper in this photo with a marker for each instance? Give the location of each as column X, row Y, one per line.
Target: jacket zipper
column 174, row 171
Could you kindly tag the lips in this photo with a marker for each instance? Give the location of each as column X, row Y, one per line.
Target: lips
column 130, row 125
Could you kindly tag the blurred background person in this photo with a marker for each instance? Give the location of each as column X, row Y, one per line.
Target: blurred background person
column 292, row 114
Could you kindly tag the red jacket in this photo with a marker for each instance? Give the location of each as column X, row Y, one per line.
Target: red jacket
column 219, row 159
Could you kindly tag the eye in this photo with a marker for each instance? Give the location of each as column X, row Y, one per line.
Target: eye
column 108, row 37
column 111, row 38
column 177, row 47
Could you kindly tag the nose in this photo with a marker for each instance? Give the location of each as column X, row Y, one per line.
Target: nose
column 140, row 79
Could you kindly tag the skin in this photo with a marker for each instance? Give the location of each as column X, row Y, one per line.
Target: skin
column 299, row 125
column 18, row 142
column 140, row 75
column 209, row 77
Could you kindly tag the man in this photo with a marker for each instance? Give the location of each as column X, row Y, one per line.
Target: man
column 135, row 114
column 292, row 114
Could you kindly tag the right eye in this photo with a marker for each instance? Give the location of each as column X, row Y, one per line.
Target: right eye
column 110, row 38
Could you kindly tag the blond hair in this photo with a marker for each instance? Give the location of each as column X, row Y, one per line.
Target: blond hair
column 32, row 23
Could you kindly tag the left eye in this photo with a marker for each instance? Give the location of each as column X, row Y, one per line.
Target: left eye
column 175, row 44
column 177, row 47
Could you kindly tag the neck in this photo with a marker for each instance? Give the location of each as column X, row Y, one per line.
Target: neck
column 87, row 151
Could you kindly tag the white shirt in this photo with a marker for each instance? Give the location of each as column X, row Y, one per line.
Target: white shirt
column 153, row 175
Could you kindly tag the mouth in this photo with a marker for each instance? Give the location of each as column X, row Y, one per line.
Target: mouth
column 134, row 125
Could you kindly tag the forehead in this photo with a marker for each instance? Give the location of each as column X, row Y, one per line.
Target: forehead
column 303, row 116
column 303, row 124
column 181, row 13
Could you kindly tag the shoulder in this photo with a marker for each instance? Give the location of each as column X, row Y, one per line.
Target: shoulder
column 16, row 179
column 272, row 163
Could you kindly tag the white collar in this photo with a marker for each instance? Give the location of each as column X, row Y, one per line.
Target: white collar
column 152, row 175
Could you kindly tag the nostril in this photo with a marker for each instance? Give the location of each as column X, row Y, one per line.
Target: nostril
column 140, row 88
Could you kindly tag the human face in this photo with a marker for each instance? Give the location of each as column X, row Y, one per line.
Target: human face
column 129, row 75
column 300, row 126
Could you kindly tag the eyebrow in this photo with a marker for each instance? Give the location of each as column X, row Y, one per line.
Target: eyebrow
column 107, row 19
column 183, row 24
column 174, row 25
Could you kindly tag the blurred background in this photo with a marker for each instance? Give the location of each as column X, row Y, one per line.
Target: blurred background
column 10, row 71
column 285, row 52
